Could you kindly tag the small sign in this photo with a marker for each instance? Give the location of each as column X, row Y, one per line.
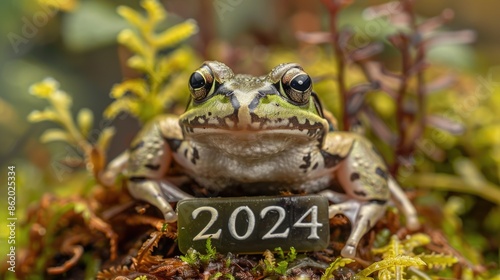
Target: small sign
column 254, row 224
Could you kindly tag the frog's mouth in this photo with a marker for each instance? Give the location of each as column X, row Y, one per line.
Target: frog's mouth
column 229, row 125
column 255, row 142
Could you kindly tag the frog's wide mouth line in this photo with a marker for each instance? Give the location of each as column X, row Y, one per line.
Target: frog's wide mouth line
column 311, row 128
column 233, row 123
column 309, row 133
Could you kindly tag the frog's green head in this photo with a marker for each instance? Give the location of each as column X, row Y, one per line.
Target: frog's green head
column 279, row 104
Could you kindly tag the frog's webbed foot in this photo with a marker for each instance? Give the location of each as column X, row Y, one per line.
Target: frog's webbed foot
column 159, row 193
column 369, row 213
column 362, row 215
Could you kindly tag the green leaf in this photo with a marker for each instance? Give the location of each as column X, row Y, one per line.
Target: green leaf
column 414, row 241
column 391, row 262
column 55, row 134
column 292, row 255
column 124, row 104
column 155, row 10
column 136, row 87
column 176, row 34
column 45, row 115
column 281, row 267
column 105, row 138
column 45, row 88
column 433, row 260
column 85, row 119
column 128, row 38
column 138, row 63
column 280, row 252
column 132, row 16
column 81, row 208
column 211, row 252
column 191, row 257
column 217, row 275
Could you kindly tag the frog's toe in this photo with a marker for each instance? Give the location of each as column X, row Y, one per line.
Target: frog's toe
column 412, row 223
column 349, row 251
column 170, row 216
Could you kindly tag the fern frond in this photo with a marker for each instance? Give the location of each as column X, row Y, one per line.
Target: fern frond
column 147, row 99
column 391, row 262
column 438, row 260
column 176, row 34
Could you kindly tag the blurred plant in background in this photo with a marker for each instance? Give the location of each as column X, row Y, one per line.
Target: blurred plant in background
column 165, row 74
column 436, row 124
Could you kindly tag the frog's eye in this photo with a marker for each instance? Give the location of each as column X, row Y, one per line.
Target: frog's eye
column 200, row 83
column 297, row 85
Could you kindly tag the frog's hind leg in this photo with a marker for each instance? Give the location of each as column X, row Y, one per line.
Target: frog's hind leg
column 114, row 168
column 363, row 175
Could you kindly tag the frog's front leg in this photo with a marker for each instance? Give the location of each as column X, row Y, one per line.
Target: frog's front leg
column 367, row 184
column 150, row 158
column 114, row 168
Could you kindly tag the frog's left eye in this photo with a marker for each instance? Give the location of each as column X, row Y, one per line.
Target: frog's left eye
column 297, row 85
column 201, row 82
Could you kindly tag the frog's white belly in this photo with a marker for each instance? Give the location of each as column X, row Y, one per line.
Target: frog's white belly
column 257, row 164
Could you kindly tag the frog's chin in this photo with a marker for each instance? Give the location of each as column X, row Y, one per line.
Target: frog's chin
column 254, row 144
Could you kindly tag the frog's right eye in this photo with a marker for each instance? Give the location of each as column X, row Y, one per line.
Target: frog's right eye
column 201, row 83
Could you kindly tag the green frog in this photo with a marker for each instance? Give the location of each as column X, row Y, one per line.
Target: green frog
column 246, row 135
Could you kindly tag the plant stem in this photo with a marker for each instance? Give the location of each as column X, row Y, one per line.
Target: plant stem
column 400, row 113
column 446, row 182
column 334, row 8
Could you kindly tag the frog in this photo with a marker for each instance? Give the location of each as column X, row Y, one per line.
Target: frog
column 261, row 135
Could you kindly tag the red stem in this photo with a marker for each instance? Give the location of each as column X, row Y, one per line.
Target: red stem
column 334, row 8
